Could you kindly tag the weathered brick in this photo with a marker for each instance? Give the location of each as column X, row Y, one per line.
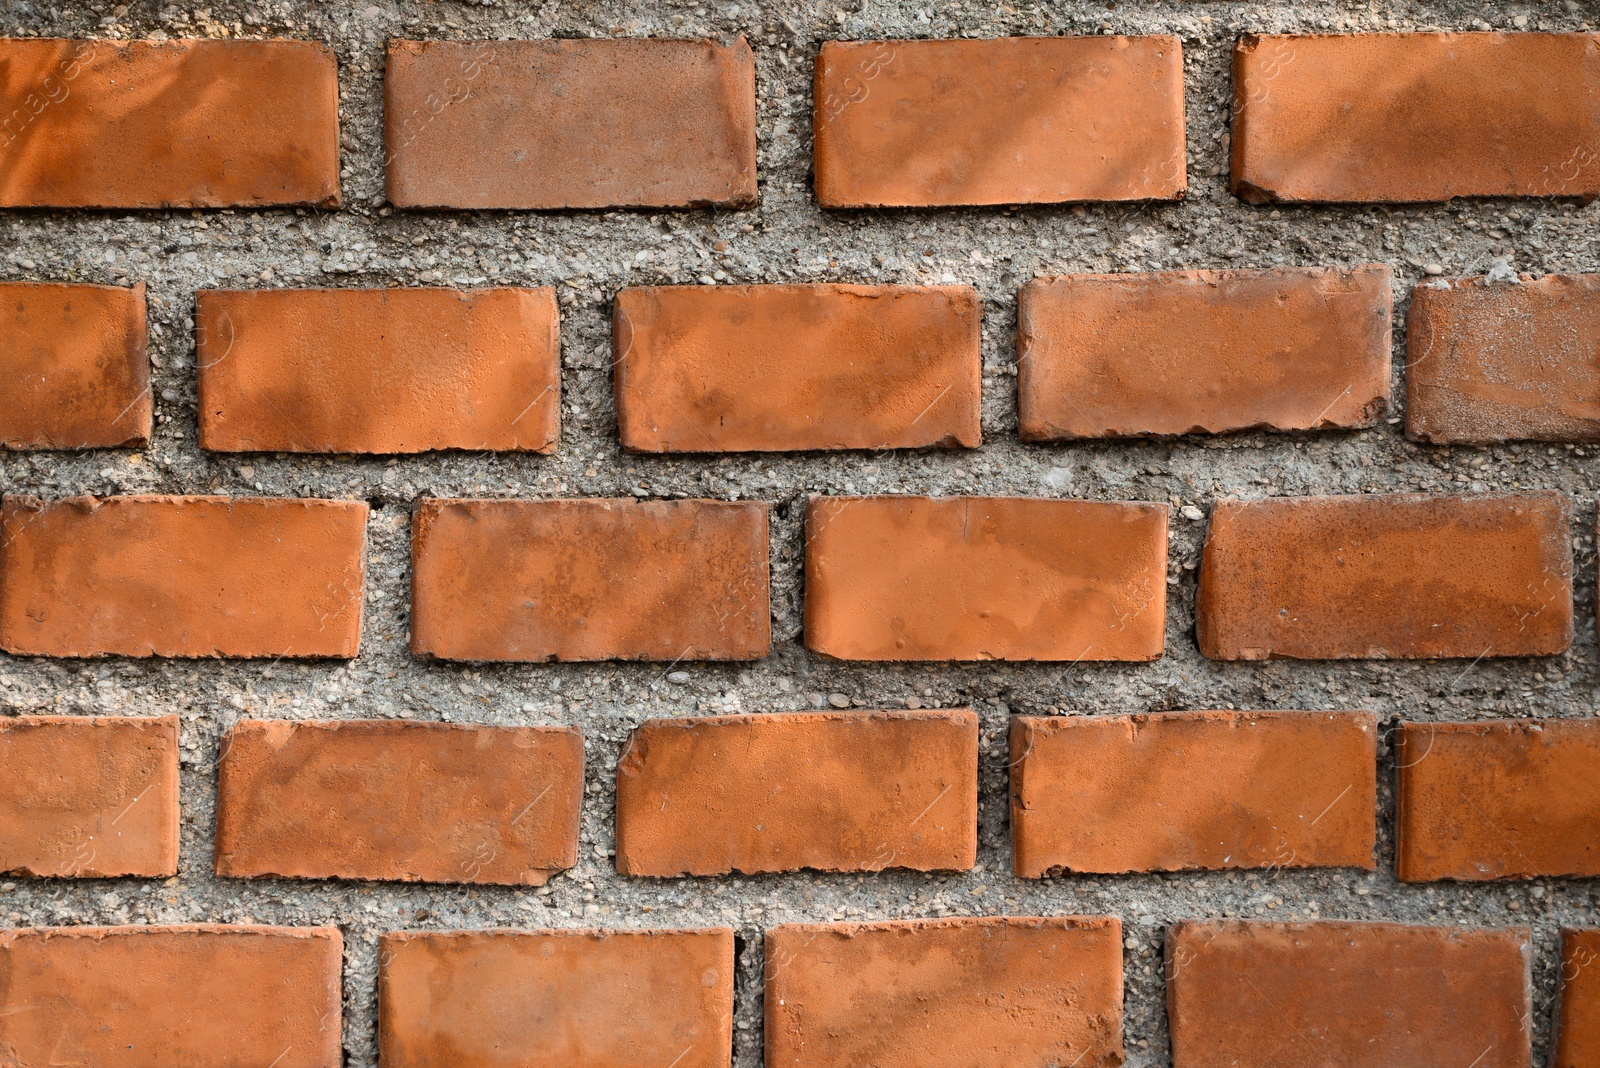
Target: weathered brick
column 1405, row 117
column 181, row 576
column 1183, row 352
column 89, row 796
column 160, row 124
column 1018, row 991
column 834, row 791
column 378, row 370
column 1490, row 361
column 1498, row 800
column 506, row 999
column 1020, row 120
column 985, row 578
column 1182, row 790
column 1387, row 576
column 1577, row 1027
column 73, row 369
column 570, row 124
column 415, row 802
column 590, row 580
column 156, row 997
column 1358, row 995
column 782, row 367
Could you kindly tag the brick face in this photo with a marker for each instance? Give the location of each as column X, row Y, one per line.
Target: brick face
column 1578, row 1010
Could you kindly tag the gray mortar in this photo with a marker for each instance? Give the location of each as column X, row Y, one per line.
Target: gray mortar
column 588, row 256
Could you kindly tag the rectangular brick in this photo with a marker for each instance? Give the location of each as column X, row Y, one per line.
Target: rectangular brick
column 168, row 124
column 1185, row 790
column 570, row 124
column 831, row 791
column 585, row 999
column 1019, row 120
column 181, row 576
column 1408, row 117
column 386, row 799
column 378, row 370
column 1016, row 991
column 610, row 579
column 1498, row 800
column 1490, row 361
column 985, row 578
column 1577, row 1025
column 156, row 997
column 73, row 369
column 1387, row 576
column 1185, row 352
column 1357, row 995
column 89, row 796
column 783, row 367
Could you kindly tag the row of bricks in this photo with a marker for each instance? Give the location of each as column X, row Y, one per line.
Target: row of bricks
column 826, row 791
column 1023, row 992
column 891, row 578
column 702, row 369
column 667, row 123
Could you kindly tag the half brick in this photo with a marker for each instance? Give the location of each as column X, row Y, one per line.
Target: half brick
column 784, row 367
column 832, row 791
column 378, row 370
column 590, row 580
column 1577, row 1038
column 414, row 802
column 1387, row 576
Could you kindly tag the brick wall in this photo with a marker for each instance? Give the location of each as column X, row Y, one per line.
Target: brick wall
column 765, row 534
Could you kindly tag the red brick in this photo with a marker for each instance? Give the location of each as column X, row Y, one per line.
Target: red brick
column 783, row 367
column 1021, row 120
column 181, row 576
column 1578, row 1010
column 1184, row 790
column 161, row 124
column 378, row 370
column 414, row 802
column 590, row 580
column 570, row 124
column 1498, row 800
column 89, row 796
column 155, row 997
column 832, row 791
column 1405, row 117
column 1184, row 352
column 73, row 369
column 584, row 999
column 1387, row 576
column 1016, row 991
column 985, row 578
column 1488, row 361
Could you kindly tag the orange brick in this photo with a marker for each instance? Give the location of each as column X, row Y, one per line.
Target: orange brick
column 153, row 997
column 1499, row 800
column 378, row 370
column 1184, row 790
column 1017, row 991
column 1358, row 995
column 1387, row 576
column 1405, row 117
column 833, row 791
column 590, row 580
column 1021, row 120
column 985, row 578
column 181, row 576
column 783, row 367
column 163, row 124
column 584, row 999
column 1184, row 352
column 1578, row 1010
column 414, row 802
column 570, row 124
column 1488, row 361
column 73, row 369
column 89, row 796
